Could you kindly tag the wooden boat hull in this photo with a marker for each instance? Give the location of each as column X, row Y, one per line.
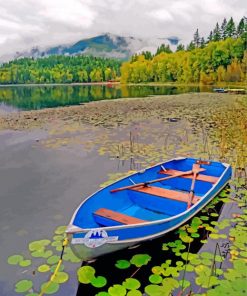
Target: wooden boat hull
column 93, row 242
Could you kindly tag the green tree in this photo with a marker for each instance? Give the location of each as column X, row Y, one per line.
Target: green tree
column 147, row 54
column 196, row 39
column 216, row 33
column 191, row 46
column 230, row 28
column 180, row 47
column 210, row 37
column 163, row 48
column 223, row 29
column 202, row 43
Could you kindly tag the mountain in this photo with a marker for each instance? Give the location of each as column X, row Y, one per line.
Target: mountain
column 106, row 45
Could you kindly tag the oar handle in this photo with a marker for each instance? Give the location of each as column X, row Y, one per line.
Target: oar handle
column 150, row 182
column 196, row 169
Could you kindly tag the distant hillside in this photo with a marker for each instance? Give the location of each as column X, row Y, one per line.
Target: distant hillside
column 106, row 45
column 59, row 69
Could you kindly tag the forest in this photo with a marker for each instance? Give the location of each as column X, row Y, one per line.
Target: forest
column 220, row 58
column 59, row 69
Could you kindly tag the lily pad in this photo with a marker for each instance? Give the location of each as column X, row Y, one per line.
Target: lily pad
column 23, row 286
column 60, row 229
column 102, row 294
column 134, row 293
column 117, row 290
column 99, row 282
column 37, row 245
column 122, row 264
column 61, row 277
column 140, row 260
column 85, row 274
column 53, row 267
column 53, row 260
column 50, row 288
column 131, row 284
column 25, row 263
column 15, row 259
column 41, row 253
column 44, row 268
column 155, row 279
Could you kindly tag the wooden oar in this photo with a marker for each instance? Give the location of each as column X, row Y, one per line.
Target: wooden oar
column 196, row 169
column 154, row 181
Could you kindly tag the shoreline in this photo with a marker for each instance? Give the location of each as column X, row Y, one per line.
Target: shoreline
column 174, row 84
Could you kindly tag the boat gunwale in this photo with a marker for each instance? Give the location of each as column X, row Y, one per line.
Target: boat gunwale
column 73, row 229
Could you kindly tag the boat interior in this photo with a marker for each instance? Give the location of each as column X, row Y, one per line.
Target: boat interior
column 161, row 198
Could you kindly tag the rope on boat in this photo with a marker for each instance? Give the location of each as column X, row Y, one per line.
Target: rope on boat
column 65, row 243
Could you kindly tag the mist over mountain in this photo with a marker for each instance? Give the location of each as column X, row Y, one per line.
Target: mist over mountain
column 106, row 45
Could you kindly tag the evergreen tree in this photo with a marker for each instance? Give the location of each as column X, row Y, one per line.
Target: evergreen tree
column 223, row 29
column 202, row 42
column 216, row 33
column 191, row 46
column 180, row 47
column 230, row 28
column 147, row 54
column 210, row 37
column 241, row 27
column 196, row 39
column 163, row 48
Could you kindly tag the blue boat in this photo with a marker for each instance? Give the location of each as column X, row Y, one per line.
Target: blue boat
column 220, row 90
column 144, row 205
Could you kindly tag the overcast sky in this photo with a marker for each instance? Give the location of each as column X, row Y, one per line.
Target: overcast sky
column 28, row 23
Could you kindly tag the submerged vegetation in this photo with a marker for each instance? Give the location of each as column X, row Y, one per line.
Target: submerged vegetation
column 140, row 132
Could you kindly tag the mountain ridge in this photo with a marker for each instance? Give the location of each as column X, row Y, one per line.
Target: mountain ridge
column 105, row 45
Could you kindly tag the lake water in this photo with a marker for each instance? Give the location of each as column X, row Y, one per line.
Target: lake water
column 13, row 98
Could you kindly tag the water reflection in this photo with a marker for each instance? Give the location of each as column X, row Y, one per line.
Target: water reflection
column 38, row 97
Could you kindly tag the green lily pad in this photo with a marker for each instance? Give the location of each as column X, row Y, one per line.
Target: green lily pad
column 37, row 245
column 85, row 274
column 25, row 263
column 134, row 293
column 102, row 294
column 53, row 260
column 15, row 259
column 140, row 260
column 60, row 230
column 58, row 238
column 23, row 286
column 53, row 267
column 117, row 290
column 99, row 282
column 184, row 283
column 155, row 279
column 131, row 284
column 50, row 288
column 44, row 268
column 122, row 264
column 41, row 253
column 61, row 277
column 156, row 290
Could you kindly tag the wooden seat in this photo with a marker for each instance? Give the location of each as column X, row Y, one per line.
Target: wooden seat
column 167, row 193
column 210, row 179
column 116, row 216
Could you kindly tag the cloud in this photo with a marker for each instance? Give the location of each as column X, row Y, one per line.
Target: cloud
column 28, row 23
column 162, row 15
